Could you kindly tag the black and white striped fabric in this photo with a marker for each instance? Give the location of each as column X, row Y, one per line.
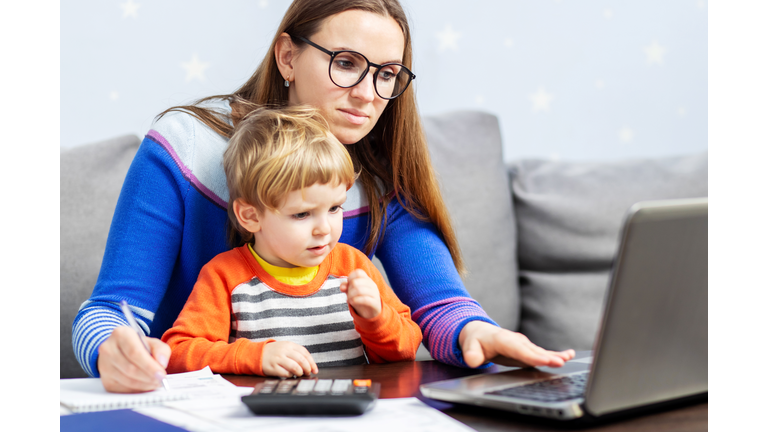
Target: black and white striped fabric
column 321, row 322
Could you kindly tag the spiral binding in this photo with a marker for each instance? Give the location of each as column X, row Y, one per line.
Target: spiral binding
column 128, row 403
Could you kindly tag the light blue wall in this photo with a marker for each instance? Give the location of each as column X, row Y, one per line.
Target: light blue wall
column 612, row 79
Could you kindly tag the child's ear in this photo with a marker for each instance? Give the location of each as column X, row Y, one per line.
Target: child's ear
column 246, row 215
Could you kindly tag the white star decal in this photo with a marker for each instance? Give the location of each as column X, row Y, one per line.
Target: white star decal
column 195, row 68
column 626, row 134
column 654, row 53
column 130, row 9
column 448, row 38
column 541, row 100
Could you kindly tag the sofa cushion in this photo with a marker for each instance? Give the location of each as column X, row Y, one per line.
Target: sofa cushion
column 568, row 219
column 466, row 153
column 91, row 178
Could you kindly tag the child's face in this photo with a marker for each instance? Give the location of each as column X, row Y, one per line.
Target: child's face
column 306, row 228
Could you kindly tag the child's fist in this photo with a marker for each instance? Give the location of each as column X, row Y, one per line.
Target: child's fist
column 286, row 359
column 362, row 294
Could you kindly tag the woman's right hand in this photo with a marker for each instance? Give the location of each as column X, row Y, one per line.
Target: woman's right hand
column 125, row 365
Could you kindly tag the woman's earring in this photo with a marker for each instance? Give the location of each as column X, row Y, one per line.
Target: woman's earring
column 287, row 83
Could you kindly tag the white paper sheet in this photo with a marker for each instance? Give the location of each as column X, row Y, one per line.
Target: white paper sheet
column 230, row 414
column 88, row 394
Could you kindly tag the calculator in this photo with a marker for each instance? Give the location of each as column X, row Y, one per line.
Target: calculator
column 340, row 397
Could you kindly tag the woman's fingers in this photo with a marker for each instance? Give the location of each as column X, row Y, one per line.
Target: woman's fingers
column 161, row 351
column 505, row 347
column 473, row 353
column 125, row 365
column 140, row 361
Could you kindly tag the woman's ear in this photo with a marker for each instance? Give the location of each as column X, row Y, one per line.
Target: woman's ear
column 247, row 215
column 285, row 53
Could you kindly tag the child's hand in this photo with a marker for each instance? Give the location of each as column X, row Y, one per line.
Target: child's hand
column 362, row 294
column 286, row 359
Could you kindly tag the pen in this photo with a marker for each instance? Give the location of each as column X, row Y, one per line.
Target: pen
column 132, row 321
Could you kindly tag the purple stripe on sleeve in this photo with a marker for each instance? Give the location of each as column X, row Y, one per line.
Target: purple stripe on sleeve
column 356, row 212
column 440, row 322
column 186, row 172
column 417, row 313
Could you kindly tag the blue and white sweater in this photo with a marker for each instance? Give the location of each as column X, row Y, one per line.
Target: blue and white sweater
column 171, row 220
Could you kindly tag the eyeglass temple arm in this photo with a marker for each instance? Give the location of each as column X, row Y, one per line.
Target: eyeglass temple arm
column 305, row 40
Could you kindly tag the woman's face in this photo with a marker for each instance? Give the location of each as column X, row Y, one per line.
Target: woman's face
column 351, row 112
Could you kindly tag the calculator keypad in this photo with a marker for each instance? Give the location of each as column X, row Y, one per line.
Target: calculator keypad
column 312, row 397
column 314, row 386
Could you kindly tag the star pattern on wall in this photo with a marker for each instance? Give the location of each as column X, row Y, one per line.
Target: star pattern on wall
column 626, row 134
column 620, row 81
column 654, row 53
column 541, row 100
column 130, row 9
column 195, row 68
column 448, row 39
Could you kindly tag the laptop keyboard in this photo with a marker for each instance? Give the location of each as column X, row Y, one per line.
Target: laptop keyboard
column 554, row 390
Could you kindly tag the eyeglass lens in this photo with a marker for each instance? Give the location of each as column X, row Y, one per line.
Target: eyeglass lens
column 347, row 68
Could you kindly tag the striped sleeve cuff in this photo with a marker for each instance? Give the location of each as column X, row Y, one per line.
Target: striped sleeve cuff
column 442, row 322
column 91, row 328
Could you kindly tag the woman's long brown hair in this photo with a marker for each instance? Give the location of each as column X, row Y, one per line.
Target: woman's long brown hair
column 395, row 151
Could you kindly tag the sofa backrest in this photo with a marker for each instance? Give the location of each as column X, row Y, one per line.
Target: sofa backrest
column 466, row 151
column 91, row 178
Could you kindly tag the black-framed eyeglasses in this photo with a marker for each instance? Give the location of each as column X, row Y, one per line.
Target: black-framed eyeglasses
column 348, row 68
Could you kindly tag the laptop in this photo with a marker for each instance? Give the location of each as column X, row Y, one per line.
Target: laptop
column 651, row 347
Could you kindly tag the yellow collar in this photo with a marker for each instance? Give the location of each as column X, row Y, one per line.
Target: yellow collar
column 291, row 276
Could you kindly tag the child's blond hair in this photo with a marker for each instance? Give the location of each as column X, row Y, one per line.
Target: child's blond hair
column 275, row 151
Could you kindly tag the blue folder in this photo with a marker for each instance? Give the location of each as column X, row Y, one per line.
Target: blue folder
column 123, row 420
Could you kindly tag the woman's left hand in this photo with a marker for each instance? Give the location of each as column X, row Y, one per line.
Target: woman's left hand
column 482, row 342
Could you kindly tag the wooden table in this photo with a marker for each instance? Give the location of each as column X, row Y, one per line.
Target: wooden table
column 403, row 379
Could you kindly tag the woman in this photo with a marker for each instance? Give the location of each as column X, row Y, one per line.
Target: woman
column 351, row 60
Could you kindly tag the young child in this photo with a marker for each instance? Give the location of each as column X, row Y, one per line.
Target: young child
column 290, row 299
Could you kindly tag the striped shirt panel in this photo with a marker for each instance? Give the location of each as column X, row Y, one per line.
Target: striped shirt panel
column 321, row 322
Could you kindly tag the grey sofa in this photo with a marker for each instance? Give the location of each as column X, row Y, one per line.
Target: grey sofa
column 538, row 236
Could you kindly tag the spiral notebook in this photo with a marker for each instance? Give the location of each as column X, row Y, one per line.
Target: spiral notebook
column 87, row 394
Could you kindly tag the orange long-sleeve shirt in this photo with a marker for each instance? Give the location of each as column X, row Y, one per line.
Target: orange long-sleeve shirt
column 236, row 307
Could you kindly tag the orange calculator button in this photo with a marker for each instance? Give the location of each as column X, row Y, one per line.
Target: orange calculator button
column 361, row 383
